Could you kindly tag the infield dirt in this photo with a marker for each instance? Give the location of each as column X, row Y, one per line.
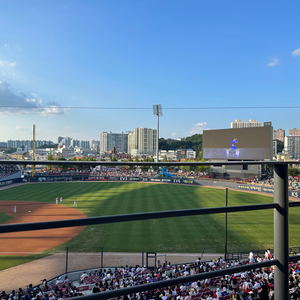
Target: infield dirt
column 26, row 242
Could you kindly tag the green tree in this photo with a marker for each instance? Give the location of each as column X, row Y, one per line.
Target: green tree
column 61, row 157
column 145, row 159
column 280, row 146
column 194, row 142
column 50, row 157
column 202, row 168
column 269, row 169
column 10, row 150
column 200, row 155
column 72, row 166
column 82, row 167
column 47, row 146
column 187, row 168
column 62, row 167
column 293, row 172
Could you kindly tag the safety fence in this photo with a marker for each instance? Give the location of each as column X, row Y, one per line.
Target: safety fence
column 281, row 231
column 245, row 255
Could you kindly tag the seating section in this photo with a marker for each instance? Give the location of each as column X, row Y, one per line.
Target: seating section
column 252, row 283
column 7, row 170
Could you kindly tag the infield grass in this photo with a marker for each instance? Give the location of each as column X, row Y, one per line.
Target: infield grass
column 246, row 230
column 4, row 217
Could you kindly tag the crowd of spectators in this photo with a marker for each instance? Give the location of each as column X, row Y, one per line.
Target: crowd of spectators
column 123, row 172
column 130, row 172
column 249, row 285
column 292, row 181
column 146, row 173
column 7, row 170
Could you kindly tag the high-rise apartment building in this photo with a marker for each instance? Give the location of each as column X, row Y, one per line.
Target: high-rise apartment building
column 80, row 143
column 142, row 141
column 59, row 139
column 185, row 154
column 279, row 134
column 75, row 143
column 64, row 141
column 108, row 140
column 294, row 131
column 94, row 144
column 292, row 145
column 274, row 149
column 27, row 144
column 241, row 124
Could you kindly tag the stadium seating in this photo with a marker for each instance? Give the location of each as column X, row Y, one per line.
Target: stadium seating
column 133, row 277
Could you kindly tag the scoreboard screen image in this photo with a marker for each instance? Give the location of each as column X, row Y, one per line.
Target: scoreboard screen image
column 253, row 143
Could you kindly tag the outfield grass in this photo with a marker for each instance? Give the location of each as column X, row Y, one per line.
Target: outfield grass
column 246, row 230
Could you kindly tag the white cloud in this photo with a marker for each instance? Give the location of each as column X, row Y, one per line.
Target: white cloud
column 20, row 103
column 7, row 68
column 198, row 128
column 4, row 63
column 12, row 47
column 296, row 52
column 173, row 133
column 274, row 62
column 22, row 128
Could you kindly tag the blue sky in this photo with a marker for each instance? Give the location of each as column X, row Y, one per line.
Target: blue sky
column 55, row 55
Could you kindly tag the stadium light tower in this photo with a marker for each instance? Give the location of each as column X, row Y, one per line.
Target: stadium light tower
column 157, row 111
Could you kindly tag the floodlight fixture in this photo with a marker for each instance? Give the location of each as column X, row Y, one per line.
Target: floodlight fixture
column 157, row 110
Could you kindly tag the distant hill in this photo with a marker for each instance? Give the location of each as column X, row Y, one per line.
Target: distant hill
column 192, row 142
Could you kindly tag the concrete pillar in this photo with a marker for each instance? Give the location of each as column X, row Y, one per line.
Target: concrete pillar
column 281, row 231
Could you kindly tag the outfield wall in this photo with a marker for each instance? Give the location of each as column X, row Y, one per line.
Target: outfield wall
column 264, row 189
column 67, row 178
column 245, row 187
column 173, row 180
column 145, row 179
column 11, row 181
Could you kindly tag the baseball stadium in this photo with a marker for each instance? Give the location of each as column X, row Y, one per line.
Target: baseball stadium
column 121, row 231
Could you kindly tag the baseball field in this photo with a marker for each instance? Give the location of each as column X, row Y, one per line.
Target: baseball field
column 246, row 230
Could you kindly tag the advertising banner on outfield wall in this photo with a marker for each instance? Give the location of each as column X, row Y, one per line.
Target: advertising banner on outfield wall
column 8, row 182
column 173, row 180
column 127, row 178
column 267, row 190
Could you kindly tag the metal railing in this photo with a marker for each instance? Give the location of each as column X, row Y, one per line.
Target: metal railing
column 281, row 230
column 245, row 255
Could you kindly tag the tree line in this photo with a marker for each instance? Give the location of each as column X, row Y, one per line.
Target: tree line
column 191, row 142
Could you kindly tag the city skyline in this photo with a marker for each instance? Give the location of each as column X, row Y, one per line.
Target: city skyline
column 290, row 131
column 204, row 62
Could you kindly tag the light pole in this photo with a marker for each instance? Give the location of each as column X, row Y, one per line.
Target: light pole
column 33, row 142
column 157, row 111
